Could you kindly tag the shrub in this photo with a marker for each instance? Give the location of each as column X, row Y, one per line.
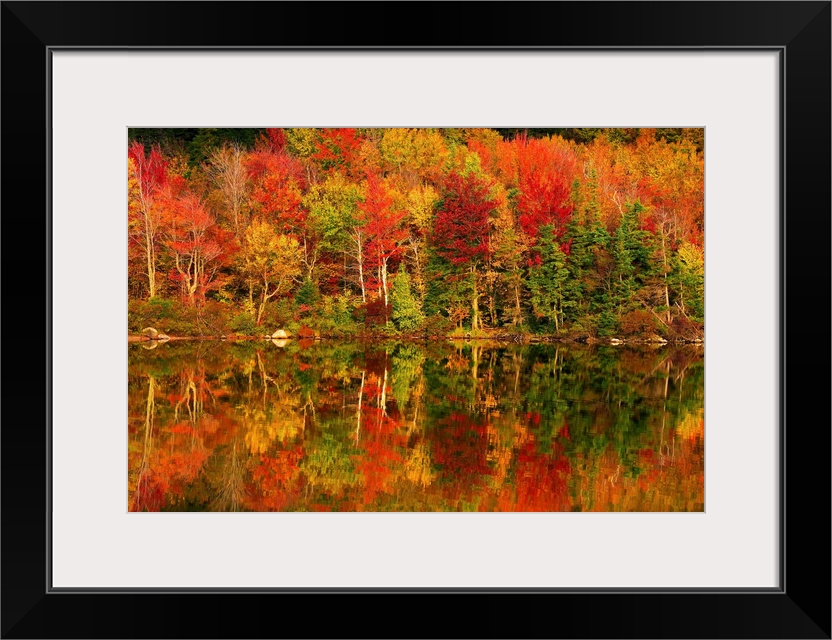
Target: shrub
column 639, row 322
column 278, row 315
column 538, row 324
column 244, row 323
column 685, row 329
column 437, row 325
column 334, row 316
column 214, row 317
column 376, row 313
column 168, row 316
column 162, row 308
column 177, row 319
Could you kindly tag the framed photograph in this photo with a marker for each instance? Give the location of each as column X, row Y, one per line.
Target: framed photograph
column 493, row 310
column 416, row 320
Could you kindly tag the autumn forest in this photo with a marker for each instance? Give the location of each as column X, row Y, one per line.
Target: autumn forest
column 587, row 234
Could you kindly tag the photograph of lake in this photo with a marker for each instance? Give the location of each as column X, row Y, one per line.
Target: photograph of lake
column 416, row 320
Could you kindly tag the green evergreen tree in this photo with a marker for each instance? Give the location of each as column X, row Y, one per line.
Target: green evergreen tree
column 448, row 292
column 631, row 252
column 407, row 313
column 547, row 278
column 307, row 294
column 584, row 291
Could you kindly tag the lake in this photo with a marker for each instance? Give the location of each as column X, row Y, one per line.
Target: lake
column 403, row 426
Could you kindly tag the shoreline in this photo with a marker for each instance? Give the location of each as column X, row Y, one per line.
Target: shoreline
column 375, row 337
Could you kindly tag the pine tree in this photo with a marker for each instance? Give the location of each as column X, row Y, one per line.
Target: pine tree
column 589, row 242
column 547, row 278
column 307, row 294
column 407, row 313
column 632, row 259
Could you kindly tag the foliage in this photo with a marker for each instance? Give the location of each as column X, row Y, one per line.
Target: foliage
column 547, row 278
column 244, row 324
column 407, row 313
column 272, row 259
column 308, row 294
column 581, row 232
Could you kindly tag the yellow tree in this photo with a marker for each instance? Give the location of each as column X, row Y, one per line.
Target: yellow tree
column 419, row 203
column 413, row 154
column 272, row 259
column 334, row 218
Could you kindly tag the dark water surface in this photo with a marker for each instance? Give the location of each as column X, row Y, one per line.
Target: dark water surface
column 349, row 426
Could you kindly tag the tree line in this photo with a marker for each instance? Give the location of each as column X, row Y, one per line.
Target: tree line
column 595, row 232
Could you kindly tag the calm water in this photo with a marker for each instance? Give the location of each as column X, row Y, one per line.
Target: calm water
column 291, row 426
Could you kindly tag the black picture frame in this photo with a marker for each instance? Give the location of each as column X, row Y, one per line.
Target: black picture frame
column 799, row 608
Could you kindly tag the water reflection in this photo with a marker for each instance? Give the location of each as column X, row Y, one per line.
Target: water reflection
column 320, row 426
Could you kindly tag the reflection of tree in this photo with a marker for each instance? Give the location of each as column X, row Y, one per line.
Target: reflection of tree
column 191, row 396
column 460, row 452
column 541, row 481
column 406, row 364
column 479, row 426
column 140, row 486
column 328, row 467
column 275, row 417
column 380, row 438
column 230, row 493
column 418, row 466
column 276, row 479
column 172, row 456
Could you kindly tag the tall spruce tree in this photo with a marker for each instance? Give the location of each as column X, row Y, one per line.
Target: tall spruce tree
column 407, row 313
column 547, row 278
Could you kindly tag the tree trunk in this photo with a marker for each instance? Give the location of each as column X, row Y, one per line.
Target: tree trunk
column 475, row 303
column 384, row 286
column 360, row 256
column 193, row 283
column 262, row 306
column 345, row 273
column 384, row 279
column 518, row 313
column 150, row 251
column 361, row 282
column 309, row 263
column 666, row 291
column 417, row 276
